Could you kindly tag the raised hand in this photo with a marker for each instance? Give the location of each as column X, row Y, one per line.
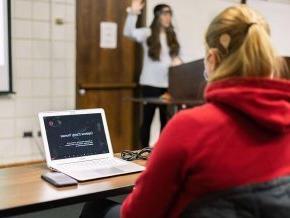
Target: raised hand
column 137, row 5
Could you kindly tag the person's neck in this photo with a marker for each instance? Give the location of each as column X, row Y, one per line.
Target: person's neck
column 162, row 30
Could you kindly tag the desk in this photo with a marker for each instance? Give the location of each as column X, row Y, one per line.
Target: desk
column 176, row 105
column 23, row 191
column 174, row 102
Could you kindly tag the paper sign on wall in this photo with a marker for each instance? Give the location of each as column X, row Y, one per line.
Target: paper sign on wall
column 108, row 38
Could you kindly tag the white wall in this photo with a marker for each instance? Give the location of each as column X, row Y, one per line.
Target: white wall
column 278, row 16
column 43, row 73
column 191, row 19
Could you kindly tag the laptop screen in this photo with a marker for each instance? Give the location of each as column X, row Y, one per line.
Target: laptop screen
column 71, row 136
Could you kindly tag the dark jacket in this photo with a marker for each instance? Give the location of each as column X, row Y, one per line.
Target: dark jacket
column 265, row 200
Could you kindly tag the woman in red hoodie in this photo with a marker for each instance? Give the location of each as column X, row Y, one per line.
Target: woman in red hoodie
column 240, row 136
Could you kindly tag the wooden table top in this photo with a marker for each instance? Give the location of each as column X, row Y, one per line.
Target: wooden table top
column 161, row 101
column 22, row 189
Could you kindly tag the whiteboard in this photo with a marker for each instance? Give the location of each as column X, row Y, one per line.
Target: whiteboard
column 5, row 48
column 191, row 19
column 278, row 16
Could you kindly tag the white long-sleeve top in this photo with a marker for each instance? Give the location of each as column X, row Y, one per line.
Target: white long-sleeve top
column 154, row 73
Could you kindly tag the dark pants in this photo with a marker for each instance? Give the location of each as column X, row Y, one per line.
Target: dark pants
column 148, row 112
column 102, row 208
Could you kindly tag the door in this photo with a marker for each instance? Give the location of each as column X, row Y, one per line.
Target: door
column 106, row 77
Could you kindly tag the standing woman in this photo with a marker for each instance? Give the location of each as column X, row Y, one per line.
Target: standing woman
column 161, row 50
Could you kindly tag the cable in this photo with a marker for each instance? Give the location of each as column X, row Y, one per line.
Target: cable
column 136, row 155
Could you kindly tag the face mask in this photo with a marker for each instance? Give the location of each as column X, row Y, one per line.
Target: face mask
column 205, row 74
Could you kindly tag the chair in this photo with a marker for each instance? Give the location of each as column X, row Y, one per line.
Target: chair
column 264, row 200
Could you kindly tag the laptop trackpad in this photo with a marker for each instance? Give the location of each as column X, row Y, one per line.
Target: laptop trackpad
column 109, row 171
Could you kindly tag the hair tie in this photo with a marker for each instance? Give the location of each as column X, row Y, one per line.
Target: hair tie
column 251, row 24
column 225, row 40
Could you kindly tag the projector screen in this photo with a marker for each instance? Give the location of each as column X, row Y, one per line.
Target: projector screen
column 5, row 48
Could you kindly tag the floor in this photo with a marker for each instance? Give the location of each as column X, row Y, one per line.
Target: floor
column 72, row 211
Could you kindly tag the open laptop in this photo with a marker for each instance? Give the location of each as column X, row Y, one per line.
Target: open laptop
column 77, row 143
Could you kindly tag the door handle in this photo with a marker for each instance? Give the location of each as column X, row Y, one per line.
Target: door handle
column 82, row 92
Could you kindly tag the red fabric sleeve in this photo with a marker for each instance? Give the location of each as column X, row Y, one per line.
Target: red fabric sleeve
column 156, row 188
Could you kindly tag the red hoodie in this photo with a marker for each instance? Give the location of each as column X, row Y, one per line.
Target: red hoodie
column 240, row 136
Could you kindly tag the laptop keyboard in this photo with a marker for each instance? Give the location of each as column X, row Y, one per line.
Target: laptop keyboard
column 93, row 164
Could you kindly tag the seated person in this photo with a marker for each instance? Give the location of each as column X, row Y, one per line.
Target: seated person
column 240, row 137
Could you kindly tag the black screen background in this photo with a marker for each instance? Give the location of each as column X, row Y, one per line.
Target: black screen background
column 70, row 124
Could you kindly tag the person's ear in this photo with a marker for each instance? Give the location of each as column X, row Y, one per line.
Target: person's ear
column 212, row 59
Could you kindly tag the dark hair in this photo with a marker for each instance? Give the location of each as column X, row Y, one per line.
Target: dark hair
column 153, row 41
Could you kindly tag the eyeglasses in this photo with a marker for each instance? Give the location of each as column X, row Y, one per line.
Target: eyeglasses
column 136, row 155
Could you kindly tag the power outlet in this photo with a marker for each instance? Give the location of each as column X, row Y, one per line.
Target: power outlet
column 28, row 134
